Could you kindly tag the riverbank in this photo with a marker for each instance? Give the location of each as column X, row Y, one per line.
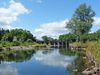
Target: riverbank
column 92, row 56
column 7, row 46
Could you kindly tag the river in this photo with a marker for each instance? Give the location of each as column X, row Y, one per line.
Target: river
column 40, row 62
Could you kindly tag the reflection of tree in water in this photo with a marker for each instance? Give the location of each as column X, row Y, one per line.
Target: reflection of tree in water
column 17, row 56
column 66, row 52
column 78, row 65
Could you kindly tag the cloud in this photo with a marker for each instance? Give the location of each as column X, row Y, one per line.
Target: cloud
column 10, row 13
column 54, row 58
column 96, row 21
column 53, row 29
column 6, row 69
column 6, row 26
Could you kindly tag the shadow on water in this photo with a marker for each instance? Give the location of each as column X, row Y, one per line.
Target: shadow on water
column 16, row 56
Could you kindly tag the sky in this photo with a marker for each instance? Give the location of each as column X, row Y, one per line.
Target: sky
column 43, row 17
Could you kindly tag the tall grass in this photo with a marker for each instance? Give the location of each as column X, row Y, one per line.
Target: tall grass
column 94, row 48
column 78, row 44
column 91, row 47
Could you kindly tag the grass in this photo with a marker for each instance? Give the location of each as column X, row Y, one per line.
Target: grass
column 90, row 47
column 94, row 48
column 17, row 43
column 78, row 44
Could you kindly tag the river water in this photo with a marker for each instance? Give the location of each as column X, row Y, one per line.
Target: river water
column 41, row 62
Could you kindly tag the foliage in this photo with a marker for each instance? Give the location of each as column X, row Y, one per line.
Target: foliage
column 94, row 49
column 39, row 45
column 16, row 43
column 79, row 44
column 85, row 37
column 2, row 32
column 5, row 44
column 81, row 21
column 47, row 39
column 16, row 35
column 68, row 37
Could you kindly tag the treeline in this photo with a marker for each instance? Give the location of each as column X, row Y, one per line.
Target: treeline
column 47, row 39
column 80, row 38
column 16, row 35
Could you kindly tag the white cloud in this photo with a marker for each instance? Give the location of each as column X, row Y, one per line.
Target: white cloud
column 10, row 13
column 96, row 21
column 54, row 58
column 53, row 29
column 6, row 26
column 6, row 69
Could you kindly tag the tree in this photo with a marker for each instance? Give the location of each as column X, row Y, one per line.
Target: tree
column 19, row 34
column 3, row 32
column 67, row 37
column 47, row 39
column 81, row 21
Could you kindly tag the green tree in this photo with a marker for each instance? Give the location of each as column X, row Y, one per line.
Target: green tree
column 81, row 21
column 3, row 32
column 47, row 39
column 67, row 37
column 19, row 34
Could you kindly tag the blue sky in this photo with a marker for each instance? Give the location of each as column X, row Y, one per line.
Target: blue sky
column 43, row 17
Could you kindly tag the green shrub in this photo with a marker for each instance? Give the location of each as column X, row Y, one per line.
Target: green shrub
column 16, row 43
column 5, row 44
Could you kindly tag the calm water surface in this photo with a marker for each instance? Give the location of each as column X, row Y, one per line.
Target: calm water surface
column 42, row 62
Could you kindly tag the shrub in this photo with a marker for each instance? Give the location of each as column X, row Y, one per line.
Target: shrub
column 16, row 43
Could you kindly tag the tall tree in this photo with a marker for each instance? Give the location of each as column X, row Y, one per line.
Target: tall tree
column 81, row 21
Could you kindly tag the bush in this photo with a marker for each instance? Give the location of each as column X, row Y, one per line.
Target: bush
column 16, row 43
column 5, row 44
column 29, row 40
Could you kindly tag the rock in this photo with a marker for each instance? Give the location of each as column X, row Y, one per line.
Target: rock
column 75, row 70
column 88, row 72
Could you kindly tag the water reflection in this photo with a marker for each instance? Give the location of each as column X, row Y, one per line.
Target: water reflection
column 6, row 69
column 16, row 56
column 41, row 62
column 78, row 65
column 54, row 58
column 67, row 52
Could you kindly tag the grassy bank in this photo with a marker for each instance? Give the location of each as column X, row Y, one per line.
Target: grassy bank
column 91, row 60
column 92, row 48
column 17, row 43
column 5, row 45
